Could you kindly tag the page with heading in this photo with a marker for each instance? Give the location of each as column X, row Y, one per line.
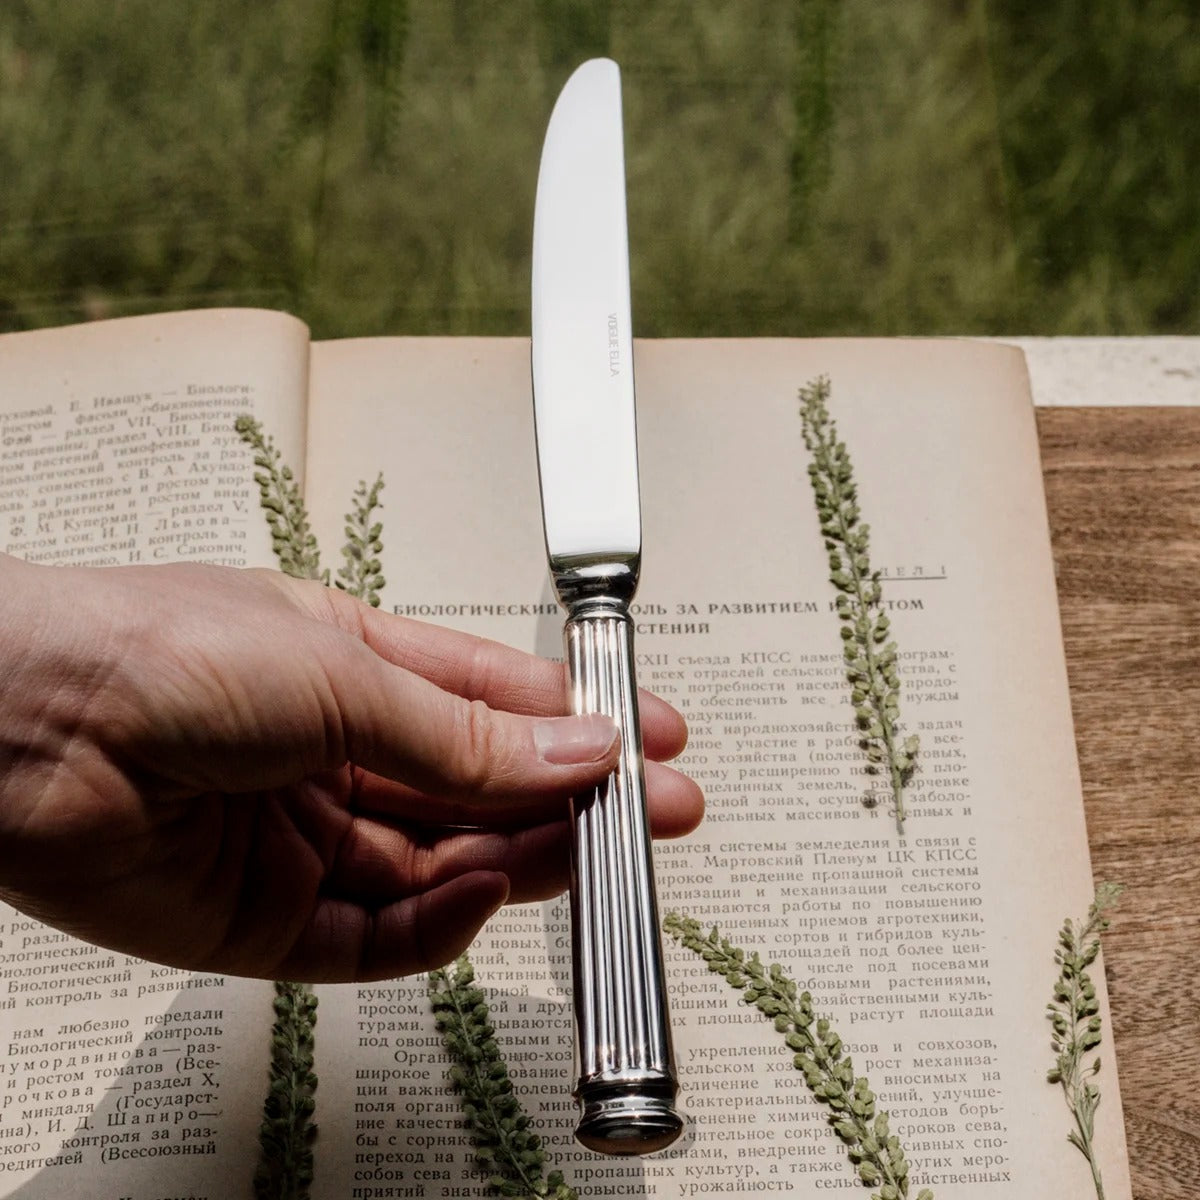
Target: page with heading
column 931, row 952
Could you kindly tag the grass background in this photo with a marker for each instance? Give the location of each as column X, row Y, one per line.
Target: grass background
column 795, row 166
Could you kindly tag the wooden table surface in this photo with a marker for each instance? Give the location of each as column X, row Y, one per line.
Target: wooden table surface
column 1123, row 489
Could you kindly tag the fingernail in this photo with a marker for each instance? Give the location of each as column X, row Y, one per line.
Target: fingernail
column 568, row 740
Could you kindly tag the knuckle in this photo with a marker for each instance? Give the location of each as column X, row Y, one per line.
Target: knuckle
column 340, row 610
column 478, row 667
column 478, row 742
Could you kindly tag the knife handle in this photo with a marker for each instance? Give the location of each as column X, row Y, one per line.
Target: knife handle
column 627, row 1081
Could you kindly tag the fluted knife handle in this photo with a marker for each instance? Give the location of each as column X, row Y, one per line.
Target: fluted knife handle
column 627, row 1081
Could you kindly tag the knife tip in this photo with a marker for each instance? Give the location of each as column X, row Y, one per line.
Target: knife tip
column 599, row 67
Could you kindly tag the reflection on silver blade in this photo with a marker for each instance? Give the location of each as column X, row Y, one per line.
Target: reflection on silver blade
column 582, row 341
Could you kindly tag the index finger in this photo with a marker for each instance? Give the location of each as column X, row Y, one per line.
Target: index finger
column 478, row 668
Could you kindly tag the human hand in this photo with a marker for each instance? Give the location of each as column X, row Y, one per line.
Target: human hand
column 239, row 772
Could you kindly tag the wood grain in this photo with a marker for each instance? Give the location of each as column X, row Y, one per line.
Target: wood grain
column 1123, row 492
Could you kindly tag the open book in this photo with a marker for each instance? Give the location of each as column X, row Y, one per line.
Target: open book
column 931, row 953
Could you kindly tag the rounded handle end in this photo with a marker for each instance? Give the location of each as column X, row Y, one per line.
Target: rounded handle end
column 624, row 1121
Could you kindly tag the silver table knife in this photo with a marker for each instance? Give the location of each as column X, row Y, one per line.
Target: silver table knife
column 587, row 462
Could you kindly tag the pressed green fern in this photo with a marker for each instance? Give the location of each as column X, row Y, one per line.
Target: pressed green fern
column 818, row 1054
column 292, row 538
column 506, row 1147
column 360, row 573
column 872, row 657
column 285, row 1164
column 1075, row 1015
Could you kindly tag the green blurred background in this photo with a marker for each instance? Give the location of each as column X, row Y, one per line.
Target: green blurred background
column 795, row 166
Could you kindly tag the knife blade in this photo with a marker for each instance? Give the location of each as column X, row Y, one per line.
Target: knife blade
column 583, row 387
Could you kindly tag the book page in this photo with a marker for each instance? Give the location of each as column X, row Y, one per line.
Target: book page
column 932, row 953
column 117, row 443
column 121, row 1078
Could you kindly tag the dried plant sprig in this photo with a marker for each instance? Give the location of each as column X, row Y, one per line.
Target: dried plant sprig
column 1074, row 1014
column 818, row 1053
column 285, row 1159
column 292, row 538
column 360, row 573
column 872, row 668
column 506, row 1148
column 285, row 1163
